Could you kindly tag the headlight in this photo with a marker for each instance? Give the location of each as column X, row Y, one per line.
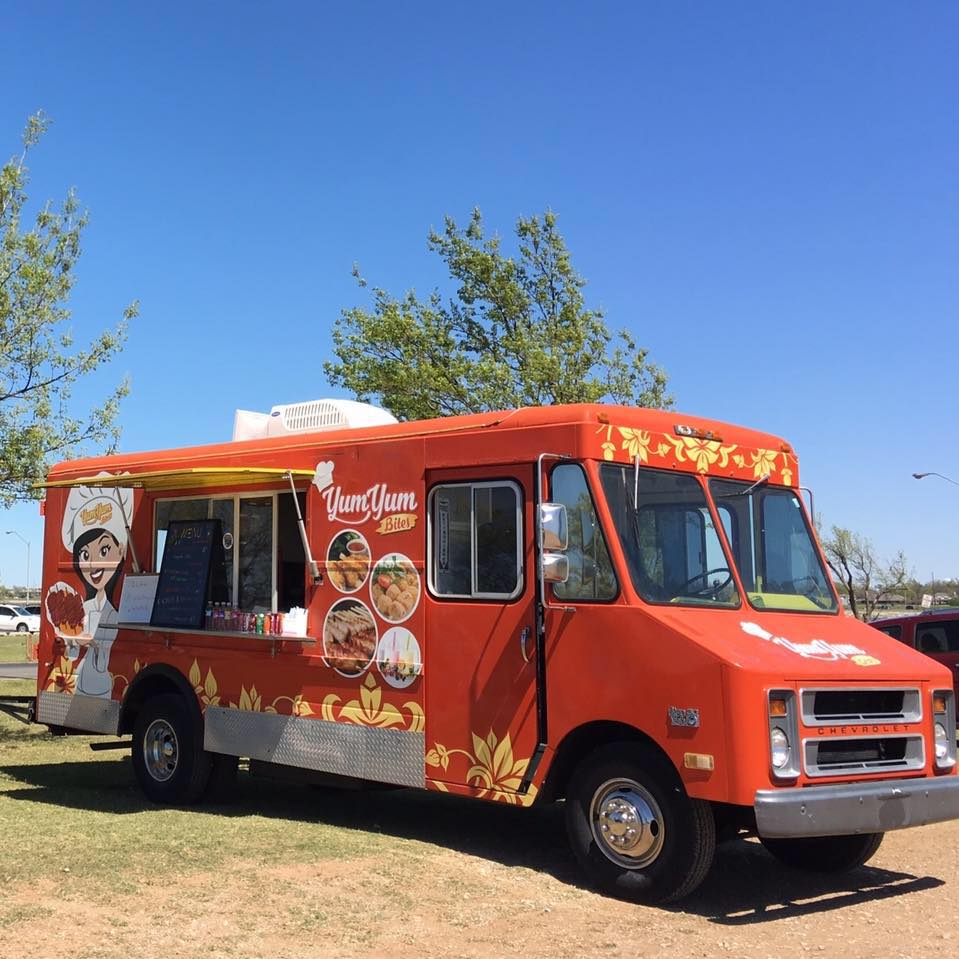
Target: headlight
column 944, row 725
column 783, row 732
column 942, row 743
column 779, row 744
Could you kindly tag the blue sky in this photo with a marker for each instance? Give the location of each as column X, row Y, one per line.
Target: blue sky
column 765, row 194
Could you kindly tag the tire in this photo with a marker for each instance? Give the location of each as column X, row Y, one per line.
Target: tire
column 663, row 859
column 23, row 628
column 168, row 756
column 825, row 854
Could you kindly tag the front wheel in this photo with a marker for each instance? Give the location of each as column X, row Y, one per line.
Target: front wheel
column 633, row 828
column 169, row 760
column 826, row 854
column 23, row 628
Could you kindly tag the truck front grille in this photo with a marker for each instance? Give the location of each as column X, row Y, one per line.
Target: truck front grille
column 846, row 755
column 826, row 707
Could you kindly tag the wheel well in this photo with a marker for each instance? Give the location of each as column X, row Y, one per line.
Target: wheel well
column 156, row 681
column 579, row 743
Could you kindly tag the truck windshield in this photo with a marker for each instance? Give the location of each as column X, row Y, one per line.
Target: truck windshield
column 670, row 542
column 773, row 548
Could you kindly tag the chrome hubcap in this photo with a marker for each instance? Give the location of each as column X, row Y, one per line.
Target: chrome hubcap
column 627, row 823
column 160, row 750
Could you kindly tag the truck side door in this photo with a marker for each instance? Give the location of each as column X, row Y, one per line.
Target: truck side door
column 480, row 606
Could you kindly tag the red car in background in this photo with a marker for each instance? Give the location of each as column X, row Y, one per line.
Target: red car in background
column 934, row 632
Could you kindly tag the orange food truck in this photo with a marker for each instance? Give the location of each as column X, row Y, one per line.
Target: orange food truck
column 623, row 609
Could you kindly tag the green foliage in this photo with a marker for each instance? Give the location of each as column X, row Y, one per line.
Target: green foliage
column 517, row 333
column 38, row 360
column 862, row 577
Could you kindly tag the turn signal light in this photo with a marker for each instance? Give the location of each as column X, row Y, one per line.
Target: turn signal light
column 777, row 707
column 938, row 703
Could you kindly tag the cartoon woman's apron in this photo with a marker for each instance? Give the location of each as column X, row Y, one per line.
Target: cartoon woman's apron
column 93, row 676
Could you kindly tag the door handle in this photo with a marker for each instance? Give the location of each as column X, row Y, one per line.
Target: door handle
column 523, row 640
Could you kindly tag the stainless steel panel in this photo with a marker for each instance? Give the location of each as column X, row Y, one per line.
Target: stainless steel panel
column 381, row 755
column 856, row 807
column 89, row 713
column 913, row 759
column 911, row 711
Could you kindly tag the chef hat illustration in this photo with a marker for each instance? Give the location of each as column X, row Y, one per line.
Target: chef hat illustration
column 323, row 476
column 97, row 507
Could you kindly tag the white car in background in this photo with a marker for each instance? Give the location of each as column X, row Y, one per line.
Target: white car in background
column 15, row 619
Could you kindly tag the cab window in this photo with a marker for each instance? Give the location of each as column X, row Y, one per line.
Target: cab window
column 669, row 537
column 591, row 575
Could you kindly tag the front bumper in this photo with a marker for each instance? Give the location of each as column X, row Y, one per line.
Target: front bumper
column 855, row 807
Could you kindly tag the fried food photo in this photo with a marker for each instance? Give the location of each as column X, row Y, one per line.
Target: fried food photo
column 395, row 588
column 348, row 561
column 349, row 637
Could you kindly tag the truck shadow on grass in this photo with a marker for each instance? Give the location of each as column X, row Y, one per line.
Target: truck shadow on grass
column 746, row 885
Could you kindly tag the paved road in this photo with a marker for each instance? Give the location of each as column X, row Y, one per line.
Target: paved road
column 18, row 670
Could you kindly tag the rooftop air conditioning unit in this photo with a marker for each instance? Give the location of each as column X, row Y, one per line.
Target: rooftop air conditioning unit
column 314, row 416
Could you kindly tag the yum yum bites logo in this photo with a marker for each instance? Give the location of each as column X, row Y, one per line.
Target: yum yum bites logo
column 394, row 510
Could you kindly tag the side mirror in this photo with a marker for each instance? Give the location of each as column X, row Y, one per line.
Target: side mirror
column 555, row 567
column 553, row 540
column 554, row 530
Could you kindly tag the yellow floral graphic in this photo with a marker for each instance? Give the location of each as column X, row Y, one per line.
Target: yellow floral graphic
column 636, row 443
column 298, row 705
column 119, row 678
column 369, row 710
column 208, row 690
column 440, row 756
column 763, row 463
column 251, row 701
column 702, row 453
column 494, row 772
column 608, row 447
column 787, row 472
column 62, row 678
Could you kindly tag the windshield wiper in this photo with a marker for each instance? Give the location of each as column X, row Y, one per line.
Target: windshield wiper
column 762, row 481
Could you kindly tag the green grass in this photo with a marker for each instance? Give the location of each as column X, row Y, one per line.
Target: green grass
column 78, row 832
column 13, row 647
column 71, row 816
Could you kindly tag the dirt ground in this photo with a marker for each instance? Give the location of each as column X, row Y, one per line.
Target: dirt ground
column 433, row 876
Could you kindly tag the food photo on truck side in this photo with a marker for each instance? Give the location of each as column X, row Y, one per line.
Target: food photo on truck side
column 623, row 610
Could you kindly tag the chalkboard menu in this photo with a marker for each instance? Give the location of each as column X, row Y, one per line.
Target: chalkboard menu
column 192, row 550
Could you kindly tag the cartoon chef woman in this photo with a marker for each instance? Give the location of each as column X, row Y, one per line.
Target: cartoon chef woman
column 94, row 532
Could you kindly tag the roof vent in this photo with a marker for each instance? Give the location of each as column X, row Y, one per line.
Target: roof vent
column 313, row 416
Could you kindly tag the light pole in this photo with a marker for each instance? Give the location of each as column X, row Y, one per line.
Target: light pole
column 26, row 542
column 924, row 475
column 954, row 483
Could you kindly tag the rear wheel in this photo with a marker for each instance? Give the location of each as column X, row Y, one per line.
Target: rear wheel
column 168, row 756
column 23, row 628
column 827, row 854
column 633, row 828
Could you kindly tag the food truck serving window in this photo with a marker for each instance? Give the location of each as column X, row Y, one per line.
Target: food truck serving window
column 475, row 540
column 263, row 557
column 591, row 575
column 670, row 542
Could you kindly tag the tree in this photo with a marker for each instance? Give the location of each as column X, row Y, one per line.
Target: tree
column 865, row 580
column 517, row 333
column 38, row 361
